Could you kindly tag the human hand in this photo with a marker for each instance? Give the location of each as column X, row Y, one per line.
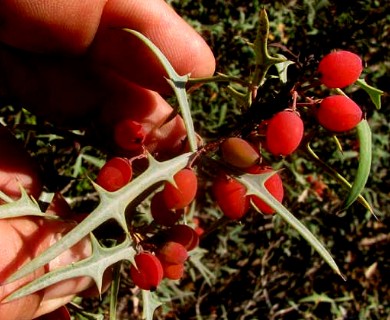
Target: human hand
column 77, row 66
column 69, row 62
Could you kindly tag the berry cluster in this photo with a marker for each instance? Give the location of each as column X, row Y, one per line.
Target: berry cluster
column 230, row 195
column 337, row 70
column 282, row 134
column 171, row 247
column 165, row 249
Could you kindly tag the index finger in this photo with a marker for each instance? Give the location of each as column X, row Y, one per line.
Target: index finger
column 180, row 43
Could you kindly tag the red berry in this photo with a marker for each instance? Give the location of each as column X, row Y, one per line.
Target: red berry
column 284, row 133
column 148, row 273
column 230, row 196
column 274, row 186
column 161, row 214
column 129, row 135
column 184, row 235
column 187, row 185
column 173, row 271
column 172, row 252
column 239, row 153
column 339, row 113
column 115, row 173
column 340, row 69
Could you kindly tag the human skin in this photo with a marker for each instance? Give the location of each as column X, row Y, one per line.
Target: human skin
column 68, row 61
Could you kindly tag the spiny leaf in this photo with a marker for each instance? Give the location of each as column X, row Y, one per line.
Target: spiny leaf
column 94, row 267
column 282, row 68
column 172, row 74
column 185, row 111
column 24, row 206
column 112, row 206
column 150, row 304
column 363, row 171
column 178, row 84
column 374, row 93
column 255, row 186
column 263, row 59
column 5, row 198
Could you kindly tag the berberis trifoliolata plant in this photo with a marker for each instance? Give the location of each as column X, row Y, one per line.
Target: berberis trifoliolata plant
column 160, row 247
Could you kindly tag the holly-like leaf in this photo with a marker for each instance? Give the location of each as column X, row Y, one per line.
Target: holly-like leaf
column 150, row 304
column 363, row 171
column 94, row 267
column 262, row 57
column 282, row 68
column 374, row 93
column 112, row 206
column 24, row 206
column 255, row 186
column 5, row 197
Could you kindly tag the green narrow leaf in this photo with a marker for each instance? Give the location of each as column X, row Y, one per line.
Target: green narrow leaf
column 317, row 298
column 333, row 173
column 178, row 84
column 363, row 171
column 78, row 165
column 374, row 93
column 255, row 186
column 241, row 98
column 150, row 304
column 115, row 283
column 337, row 142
